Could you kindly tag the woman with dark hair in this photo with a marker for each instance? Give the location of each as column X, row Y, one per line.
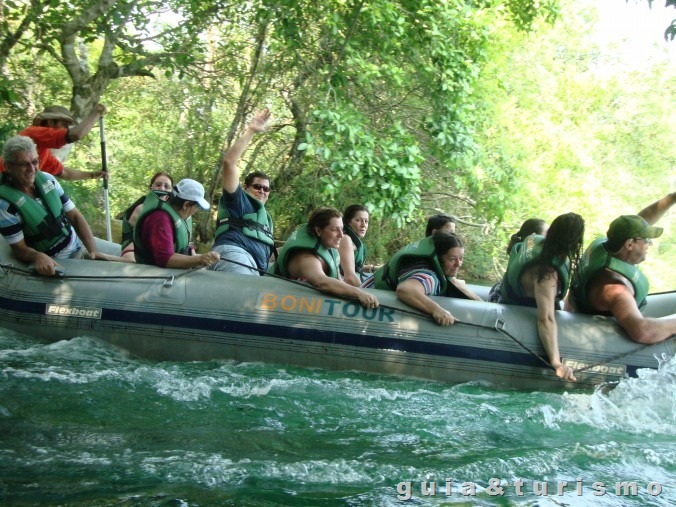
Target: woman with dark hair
column 439, row 223
column 161, row 184
column 162, row 233
column 530, row 226
column 352, row 249
column 427, row 268
column 311, row 255
column 538, row 274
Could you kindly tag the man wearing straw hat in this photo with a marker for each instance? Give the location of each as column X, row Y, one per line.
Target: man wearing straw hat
column 54, row 128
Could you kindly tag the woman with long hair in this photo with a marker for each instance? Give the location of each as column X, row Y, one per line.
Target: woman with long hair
column 539, row 273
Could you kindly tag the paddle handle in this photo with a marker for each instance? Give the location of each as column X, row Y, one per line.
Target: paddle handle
column 104, row 168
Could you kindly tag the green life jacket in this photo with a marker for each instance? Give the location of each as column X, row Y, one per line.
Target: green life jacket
column 359, row 253
column 257, row 225
column 595, row 259
column 300, row 239
column 387, row 276
column 524, row 255
column 127, row 228
column 45, row 227
column 181, row 228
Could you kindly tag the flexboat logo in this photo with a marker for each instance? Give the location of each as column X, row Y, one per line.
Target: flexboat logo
column 74, row 311
column 618, row 370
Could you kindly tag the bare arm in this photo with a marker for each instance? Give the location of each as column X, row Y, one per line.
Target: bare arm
column 413, row 294
column 623, row 306
column 74, row 174
column 77, row 132
column 232, row 156
column 135, row 214
column 308, row 266
column 346, row 251
column 82, row 230
column 656, row 210
column 43, row 263
column 545, row 298
column 180, row 261
column 461, row 285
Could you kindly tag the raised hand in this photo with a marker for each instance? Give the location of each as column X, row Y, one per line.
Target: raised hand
column 260, row 120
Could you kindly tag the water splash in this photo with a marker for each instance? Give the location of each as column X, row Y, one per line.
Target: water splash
column 644, row 405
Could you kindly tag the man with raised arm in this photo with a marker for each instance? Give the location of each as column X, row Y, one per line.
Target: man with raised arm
column 608, row 281
column 54, row 128
column 244, row 228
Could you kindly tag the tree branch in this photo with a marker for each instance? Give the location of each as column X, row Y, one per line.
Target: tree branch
column 452, row 196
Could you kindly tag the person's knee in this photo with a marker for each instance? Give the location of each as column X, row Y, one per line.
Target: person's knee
column 217, row 266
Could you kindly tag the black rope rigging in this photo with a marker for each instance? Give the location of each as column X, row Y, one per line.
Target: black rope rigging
column 624, row 354
column 65, row 275
column 499, row 324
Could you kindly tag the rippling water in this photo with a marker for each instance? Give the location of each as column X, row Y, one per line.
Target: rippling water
column 83, row 424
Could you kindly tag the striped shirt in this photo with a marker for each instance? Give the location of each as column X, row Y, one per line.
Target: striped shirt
column 418, row 271
column 11, row 222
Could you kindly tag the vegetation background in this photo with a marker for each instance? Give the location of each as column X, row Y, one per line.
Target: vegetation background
column 492, row 110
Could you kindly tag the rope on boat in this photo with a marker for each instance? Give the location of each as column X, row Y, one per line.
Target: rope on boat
column 64, row 275
column 499, row 324
column 624, row 354
column 500, row 327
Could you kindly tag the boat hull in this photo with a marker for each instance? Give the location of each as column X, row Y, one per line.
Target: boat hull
column 174, row 315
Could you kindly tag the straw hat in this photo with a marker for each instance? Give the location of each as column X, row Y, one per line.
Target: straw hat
column 54, row 113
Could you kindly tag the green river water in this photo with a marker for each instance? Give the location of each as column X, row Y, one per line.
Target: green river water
column 83, row 424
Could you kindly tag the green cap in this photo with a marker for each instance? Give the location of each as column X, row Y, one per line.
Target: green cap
column 631, row 226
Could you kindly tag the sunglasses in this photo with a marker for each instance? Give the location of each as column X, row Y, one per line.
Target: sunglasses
column 648, row 241
column 25, row 165
column 258, row 186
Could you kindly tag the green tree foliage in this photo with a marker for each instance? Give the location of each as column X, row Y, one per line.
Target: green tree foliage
column 412, row 107
column 571, row 127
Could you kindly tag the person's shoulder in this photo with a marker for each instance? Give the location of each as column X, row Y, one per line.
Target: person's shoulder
column 302, row 262
column 55, row 138
column 4, row 205
column 346, row 243
column 608, row 287
column 159, row 213
column 238, row 196
column 135, row 213
column 33, row 129
column 154, row 220
column 52, row 179
column 608, row 277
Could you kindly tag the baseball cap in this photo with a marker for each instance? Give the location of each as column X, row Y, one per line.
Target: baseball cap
column 191, row 190
column 54, row 113
column 631, row 226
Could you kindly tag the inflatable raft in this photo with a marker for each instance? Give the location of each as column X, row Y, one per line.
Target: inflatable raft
column 198, row 315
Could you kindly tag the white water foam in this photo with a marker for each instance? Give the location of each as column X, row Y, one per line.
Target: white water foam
column 644, row 405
